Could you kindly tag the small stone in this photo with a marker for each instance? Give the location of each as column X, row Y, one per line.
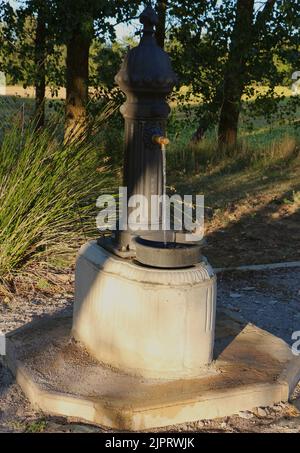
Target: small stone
column 63, row 277
column 223, row 425
column 248, row 288
column 277, row 408
column 37, row 302
column 235, row 295
column 6, row 301
column 246, row 414
column 261, row 412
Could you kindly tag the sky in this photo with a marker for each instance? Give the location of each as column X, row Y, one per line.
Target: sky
column 125, row 30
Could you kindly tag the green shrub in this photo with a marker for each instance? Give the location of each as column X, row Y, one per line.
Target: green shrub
column 48, row 191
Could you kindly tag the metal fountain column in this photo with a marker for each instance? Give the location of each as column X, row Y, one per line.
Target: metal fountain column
column 146, row 77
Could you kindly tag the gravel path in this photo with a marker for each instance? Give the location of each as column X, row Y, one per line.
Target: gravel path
column 268, row 299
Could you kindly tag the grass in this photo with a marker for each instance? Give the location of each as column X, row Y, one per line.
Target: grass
column 261, row 147
column 263, row 159
column 36, row 426
column 48, row 192
column 250, row 153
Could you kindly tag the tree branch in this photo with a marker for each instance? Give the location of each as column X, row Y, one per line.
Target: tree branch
column 263, row 15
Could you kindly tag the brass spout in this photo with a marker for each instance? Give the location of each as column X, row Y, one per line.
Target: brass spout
column 160, row 140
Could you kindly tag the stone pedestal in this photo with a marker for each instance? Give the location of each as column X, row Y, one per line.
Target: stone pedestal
column 154, row 323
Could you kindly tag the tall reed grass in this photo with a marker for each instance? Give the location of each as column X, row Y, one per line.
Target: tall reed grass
column 48, row 191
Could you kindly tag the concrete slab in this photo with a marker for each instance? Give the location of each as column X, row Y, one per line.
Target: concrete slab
column 251, row 368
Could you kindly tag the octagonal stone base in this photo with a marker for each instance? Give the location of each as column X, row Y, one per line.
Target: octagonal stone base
column 149, row 322
column 251, row 368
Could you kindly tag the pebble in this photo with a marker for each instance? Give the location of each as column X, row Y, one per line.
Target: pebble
column 261, row 412
column 246, row 414
column 277, row 408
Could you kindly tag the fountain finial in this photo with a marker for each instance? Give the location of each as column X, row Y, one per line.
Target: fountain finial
column 149, row 19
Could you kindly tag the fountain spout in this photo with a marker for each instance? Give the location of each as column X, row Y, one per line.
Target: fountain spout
column 160, row 140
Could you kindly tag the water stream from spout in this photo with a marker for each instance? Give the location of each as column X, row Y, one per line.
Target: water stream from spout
column 164, row 187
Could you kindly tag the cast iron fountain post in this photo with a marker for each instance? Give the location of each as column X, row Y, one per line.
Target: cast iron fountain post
column 146, row 77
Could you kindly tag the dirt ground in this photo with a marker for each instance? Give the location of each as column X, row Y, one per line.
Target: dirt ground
column 260, row 230
column 268, row 299
column 251, row 216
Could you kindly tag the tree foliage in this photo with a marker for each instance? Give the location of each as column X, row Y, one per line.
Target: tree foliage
column 200, row 38
column 218, row 60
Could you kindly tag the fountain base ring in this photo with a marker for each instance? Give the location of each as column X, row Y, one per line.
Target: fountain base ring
column 170, row 255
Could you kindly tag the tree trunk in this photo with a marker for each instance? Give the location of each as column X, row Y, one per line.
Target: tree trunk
column 230, row 112
column 161, row 8
column 77, row 64
column 40, row 65
column 234, row 80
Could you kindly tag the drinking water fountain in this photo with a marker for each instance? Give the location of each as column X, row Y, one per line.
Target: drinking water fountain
column 145, row 298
